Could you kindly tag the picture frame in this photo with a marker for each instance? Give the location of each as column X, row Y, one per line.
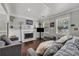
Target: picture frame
column 52, row 24
column 29, row 22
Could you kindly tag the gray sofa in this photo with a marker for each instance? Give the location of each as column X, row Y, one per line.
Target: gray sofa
column 9, row 48
column 70, row 48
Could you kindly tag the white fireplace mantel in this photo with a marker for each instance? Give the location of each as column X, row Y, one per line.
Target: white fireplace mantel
column 29, row 39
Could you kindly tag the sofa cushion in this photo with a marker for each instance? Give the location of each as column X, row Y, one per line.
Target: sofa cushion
column 2, row 43
column 64, row 38
column 53, row 49
column 6, row 40
column 74, row 41
column 43, row 46
column 31, row 52
column 69, row 49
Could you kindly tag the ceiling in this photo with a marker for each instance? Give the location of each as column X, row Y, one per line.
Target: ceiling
column 39, row 10
column 2, row 11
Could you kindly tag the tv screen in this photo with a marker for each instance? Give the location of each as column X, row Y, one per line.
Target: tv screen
column 40, row 29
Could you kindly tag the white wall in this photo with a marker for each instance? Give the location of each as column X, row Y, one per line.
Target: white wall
column 50, row 31
column 75, row 20
column 3, row 24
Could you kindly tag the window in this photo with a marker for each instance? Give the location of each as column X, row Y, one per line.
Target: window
column 62, row 25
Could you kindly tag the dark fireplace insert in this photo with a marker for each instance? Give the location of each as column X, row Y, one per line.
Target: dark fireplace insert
column 28, row 35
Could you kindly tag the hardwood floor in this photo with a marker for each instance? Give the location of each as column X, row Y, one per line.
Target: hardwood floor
column 31, row 44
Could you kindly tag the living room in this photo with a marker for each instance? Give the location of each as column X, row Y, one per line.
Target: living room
column 29, row 29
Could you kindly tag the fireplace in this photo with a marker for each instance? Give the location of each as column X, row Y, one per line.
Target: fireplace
column 28, row 35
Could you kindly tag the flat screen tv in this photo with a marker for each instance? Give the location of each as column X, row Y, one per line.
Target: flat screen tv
column 40, row 29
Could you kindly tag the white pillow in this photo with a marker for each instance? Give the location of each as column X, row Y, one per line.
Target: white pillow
column 43, row 46
column 64, row 38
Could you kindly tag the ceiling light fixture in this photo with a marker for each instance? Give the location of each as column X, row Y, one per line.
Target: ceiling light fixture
column 28, row 9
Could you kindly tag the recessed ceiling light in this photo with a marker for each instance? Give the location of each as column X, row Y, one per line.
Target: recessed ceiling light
column 28, row 9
